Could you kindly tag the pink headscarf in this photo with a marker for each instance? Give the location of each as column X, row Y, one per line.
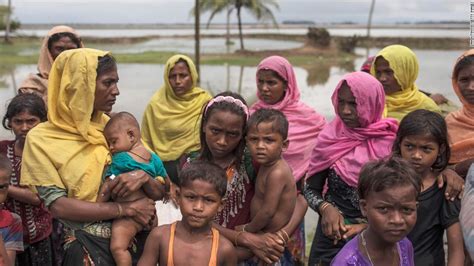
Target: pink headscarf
column 348, row 149
column 304, row 123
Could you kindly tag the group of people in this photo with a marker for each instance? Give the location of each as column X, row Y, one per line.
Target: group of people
column 80, row 180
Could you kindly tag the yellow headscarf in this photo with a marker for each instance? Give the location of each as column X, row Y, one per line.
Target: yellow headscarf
column 69, row 150
column 404, row 64
column 170, row 125
column 39, row 82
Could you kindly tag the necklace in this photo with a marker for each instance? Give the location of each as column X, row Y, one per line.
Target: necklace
column 364, row 243
column 146, row 160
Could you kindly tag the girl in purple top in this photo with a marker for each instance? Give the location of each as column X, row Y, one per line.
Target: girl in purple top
column 388, row 191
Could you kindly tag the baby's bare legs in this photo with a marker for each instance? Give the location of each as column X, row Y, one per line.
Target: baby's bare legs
column 123, row 231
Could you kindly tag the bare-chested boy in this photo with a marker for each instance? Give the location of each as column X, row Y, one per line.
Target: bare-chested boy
column 275, row 189
column 193, row 240
column 123, row 136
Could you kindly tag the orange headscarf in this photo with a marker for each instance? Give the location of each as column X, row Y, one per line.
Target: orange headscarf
column 461, row 124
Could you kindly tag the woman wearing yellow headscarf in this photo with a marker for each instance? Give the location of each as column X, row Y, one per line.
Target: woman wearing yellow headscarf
column 64, row 158
column 58, row 39
column 396, row 67
column 170, row 124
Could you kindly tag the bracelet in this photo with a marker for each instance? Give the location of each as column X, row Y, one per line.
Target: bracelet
column 243, row 228
column 286, row 234
column 236, row 238
column 278, row 233
column 120, row 210
column 323, row 206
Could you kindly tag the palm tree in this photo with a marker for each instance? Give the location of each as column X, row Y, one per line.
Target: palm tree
column 260, row 9
column 7, row 22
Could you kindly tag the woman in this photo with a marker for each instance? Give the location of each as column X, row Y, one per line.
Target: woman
column 396, row 67
column 277, row 89
column 59, row 39
column 64, row 158
column 24, row 112
column 170, row 123
column 357, row 135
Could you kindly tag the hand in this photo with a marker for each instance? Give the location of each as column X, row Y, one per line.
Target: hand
column 142, row 211
column 127, row 183
column 332, row 223
column 455, row 184
column 353, row 229
column 438, row 98
column 267, row 247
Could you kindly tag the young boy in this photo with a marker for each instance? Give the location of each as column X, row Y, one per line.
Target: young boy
column 123, row 136
column 193, row 240
column 388, row 191
column 275, row 189
column 11, row 230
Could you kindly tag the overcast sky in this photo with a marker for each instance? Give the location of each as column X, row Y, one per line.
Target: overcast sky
column 177, row 11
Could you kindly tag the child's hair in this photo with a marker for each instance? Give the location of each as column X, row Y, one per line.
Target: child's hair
column 5, row 164
column 204, row 171
column 57, row 36
column 382, row 174
column 25, row 102
column 461, row 64
column 224, row 106
column 276, row 117
column 423, row 122
column 106, row 64
column 122, row 119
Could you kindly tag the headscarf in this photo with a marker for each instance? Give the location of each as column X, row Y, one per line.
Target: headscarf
column 304, row 123
column 170, row 124
column 69, row 151
column 346, row 149
column 404, row 64
column 39, row 82
column 461, row 124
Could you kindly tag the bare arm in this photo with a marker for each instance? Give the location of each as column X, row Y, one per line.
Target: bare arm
column 151, row 251
column 273, row 189
column 227, row 252
column 298, row 215
column 127, row 183
column 4, row 260
column 142, row 210
column 463, row 167
column 455, row 245
column 24, row 194
column 454, row 184
column 104, row 193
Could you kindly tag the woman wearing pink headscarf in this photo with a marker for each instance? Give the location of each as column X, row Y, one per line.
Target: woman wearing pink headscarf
column 277, row 89
column 357, row 134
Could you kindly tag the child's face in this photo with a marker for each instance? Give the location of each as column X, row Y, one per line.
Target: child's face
column 391, row 213
column 347, row 107
column 386, row 76
column 4, row 182
column 199, row 203
column 223, row 132
column 22, row 123
column 270, row 87
column 119, row 140
column 264, row 143
column 465, row 82
column 420, row 151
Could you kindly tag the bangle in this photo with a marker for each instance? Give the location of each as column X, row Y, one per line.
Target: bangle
column 243, row 228
column 323, row 206
column 286, row 234
column 236, row 238
column 119, row 210
column 279, row 234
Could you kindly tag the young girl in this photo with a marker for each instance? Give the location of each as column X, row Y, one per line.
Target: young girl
column 422, row 141
column 24, row 112
column 387, row 190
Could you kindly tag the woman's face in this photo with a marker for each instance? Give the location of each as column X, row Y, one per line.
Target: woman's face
column 270, row 86
column 61, row 45
column 21, row 124
column 347, row 107
column 106, row 90
column 465, row 82
column 180, row 79
column 386, row 76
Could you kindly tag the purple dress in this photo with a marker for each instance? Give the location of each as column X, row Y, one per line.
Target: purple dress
column 350, row 254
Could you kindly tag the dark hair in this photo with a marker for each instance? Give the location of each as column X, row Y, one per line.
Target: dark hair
column 5, row 164
column 382, row 174
column 276, row 117
column 106, row 64
column 122, row 117
column 204, row 171
column 28, row 102
column 461, row 64
column 424, row 122
column 57, row 36
column 205, row 153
